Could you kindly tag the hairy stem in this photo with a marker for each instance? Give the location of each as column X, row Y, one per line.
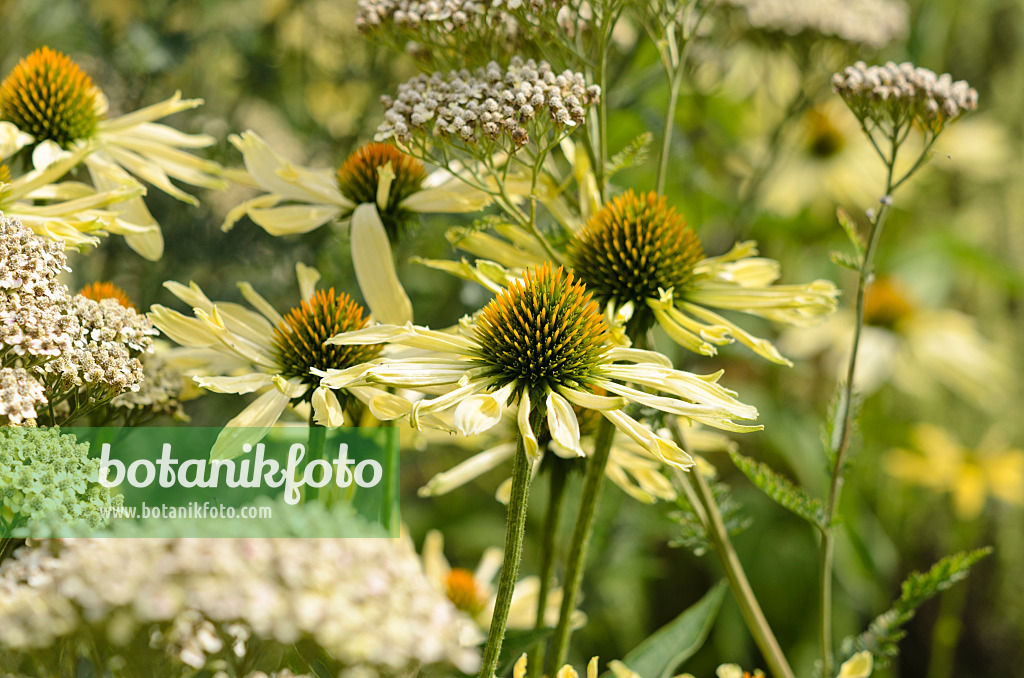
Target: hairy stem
column 514, row 532
column 697, row 487
column 582, row 531
column 556, row 494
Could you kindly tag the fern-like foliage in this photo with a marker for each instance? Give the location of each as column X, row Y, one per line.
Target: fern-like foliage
column 782, row 491
column 692, row 535
column 886, row 630
column 635, row 153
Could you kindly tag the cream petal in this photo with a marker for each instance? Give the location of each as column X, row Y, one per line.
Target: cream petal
column 481, row 412
column 592, row 401
column 250, row 425
column 525, row 430
column 293, row 219
column 308, row 278
column 260, row 304
column 242, row 209
column 435, row 565
column 375, row 268
column 12, row 139
column 244, row 384
column 276, row 175
column 859, row 665
column 562, row 423
column 181, row 329
column 293, row 388
column 471, row 468
column 326, row 408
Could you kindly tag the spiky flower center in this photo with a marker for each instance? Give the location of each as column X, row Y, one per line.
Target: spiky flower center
column 462, row 590
column 49, row 96
column 541, row 332
column 824, row 138
column 98, row 291
column 359, row 179
column 300, row 337
column 632, row 247
column 886, row 303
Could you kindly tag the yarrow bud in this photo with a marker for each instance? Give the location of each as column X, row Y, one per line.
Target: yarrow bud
column 491, row 106
column 894, row 93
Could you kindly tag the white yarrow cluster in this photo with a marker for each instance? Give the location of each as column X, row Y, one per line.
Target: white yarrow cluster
column 874, row 23
column 365, row 603
column 20, row 393
column 493, row 104
column 933, row 98
column 445, row 14
column 32, row 321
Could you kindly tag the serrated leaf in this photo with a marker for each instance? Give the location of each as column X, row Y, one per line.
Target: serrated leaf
column 850, row 228
column 633, row 154
column 661, row 653
column 518, row 641
column 886, row 630
column 844, row 260
column 781, row 490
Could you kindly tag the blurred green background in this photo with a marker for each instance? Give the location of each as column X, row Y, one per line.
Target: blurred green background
column 300, row 75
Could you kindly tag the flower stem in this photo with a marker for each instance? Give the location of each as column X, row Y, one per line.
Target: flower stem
column 314, row 450
column 842, row 447
column 514, row 531
column 559, row 472
column 697, row 487
column 581, row 534
column 675, row 82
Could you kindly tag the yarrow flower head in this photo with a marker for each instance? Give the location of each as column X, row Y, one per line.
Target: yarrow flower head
column 34, row 324
column 542, row 343
column 874, row 23
column 489, row 110
column 896, row 94
column 48, row 477
column 49, row 103
column 266, row 352
column 20, row 394
column 162, row 601
column 645, row 264
column 378, row 190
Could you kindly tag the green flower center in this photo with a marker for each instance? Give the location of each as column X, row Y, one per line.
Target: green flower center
column 542, row 332
column 300, row 337
column 49, row 96
column 825, row 140
column 359, row 179
column 632, row 248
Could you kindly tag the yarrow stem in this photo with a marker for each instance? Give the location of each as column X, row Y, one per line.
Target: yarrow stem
column 582, row 531
column 700, row 496
column 515, row 529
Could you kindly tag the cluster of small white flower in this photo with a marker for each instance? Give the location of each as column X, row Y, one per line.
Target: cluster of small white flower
column 46, row 475
column 493, row 103
column 365, row 602
column 20, row 393
column 905, row 89
column 33, row 322
column 874, row 23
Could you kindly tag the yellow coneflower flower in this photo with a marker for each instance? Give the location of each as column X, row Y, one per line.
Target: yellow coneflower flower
column 908, row 345
column 543, row 344
column 52, row 104
column 377, row 189
column 940, row 462
column 647, row 265
column 99, row 290
column 472, row 591
column 270, row 353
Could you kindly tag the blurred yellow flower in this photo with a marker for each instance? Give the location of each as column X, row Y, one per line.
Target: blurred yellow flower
column 472, row 592
column 911, row 346
column 567, row 671
column 938, row 461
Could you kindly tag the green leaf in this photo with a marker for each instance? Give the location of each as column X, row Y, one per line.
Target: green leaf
column 850, row 228
column 886, row 630
column 844, row 260
column 633, row 154
column 781, row 490
column 518, row 641
column 671, row 645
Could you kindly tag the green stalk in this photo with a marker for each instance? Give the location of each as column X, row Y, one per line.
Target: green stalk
column 581, row 534
column 314, row 450
column 675, row 82
column 514, row 531
column 556, row 495
column 696, row 487
column 841, row 451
